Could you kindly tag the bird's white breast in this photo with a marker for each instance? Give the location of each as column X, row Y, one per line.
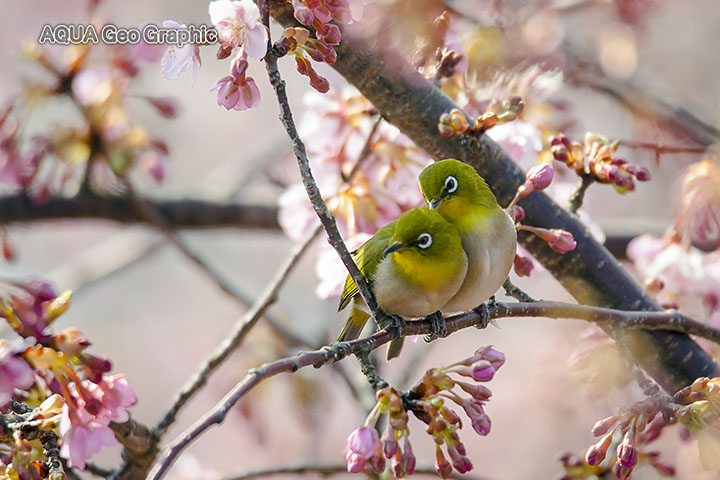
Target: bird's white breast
column 490, row 249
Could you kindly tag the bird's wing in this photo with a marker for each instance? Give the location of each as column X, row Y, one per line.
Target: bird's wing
column 367, row 258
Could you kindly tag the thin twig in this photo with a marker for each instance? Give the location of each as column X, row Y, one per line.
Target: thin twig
column 156, row 219
column 577, row 197
column 326, row 218
column 516, row 292
column 242, row 328
column 365, row 152
column 669, row 320
column 328, row 471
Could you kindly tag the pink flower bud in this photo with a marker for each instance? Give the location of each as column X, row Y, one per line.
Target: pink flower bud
column 541, row 175
column 362, row 444
column 442, row 466
column 517, row 213
column 601, row 427
column 397, row 466
column 622, row 472
column 303, row 14
column 626, row 452
column 495, row 357
column 408, row 458
column 641, row 173
column 478, row 418
column 461, row 463
column 523, row 266
column 561, row 241
column 479, row 393
column 389, row 443
column 597, row 452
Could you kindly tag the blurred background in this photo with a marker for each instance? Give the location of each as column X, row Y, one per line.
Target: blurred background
column 157, row 316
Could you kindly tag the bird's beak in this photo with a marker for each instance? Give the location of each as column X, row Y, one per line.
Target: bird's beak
column 435, row 202
column 395, row 246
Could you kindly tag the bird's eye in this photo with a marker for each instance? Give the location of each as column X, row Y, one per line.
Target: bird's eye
column 424, row 240
column 451, row 184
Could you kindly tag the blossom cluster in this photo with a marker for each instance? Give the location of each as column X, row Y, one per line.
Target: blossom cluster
column 71, row 389
column 428, row 401
column 682, row 268
column 366, row 180
column 319, row 14
column 596, row 159
column 104, row 142
column 623, row 438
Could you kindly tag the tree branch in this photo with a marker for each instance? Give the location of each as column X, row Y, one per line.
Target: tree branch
column 328, row 471
column 326, row 218
column 235, row 339
column 669, row 321
column 180, row 213
column 589, row 273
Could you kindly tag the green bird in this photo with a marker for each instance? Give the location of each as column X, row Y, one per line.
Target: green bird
column 489, row 239
column 415, row 265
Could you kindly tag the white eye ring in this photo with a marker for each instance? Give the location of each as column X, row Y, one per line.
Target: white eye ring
column 451, row 184
column 424, row 240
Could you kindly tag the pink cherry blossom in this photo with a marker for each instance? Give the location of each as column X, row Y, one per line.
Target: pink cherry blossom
column 82, row 438
column 362, row 444
column 238, row 24
column 14, row 371
column 178, row 59
column 521, row 140
column 237, row 91
column 93, row 86
column 115, row 395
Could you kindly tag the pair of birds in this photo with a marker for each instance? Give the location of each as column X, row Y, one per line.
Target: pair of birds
column 448, row 256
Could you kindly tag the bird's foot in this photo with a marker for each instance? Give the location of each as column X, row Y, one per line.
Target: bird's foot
column 484, row 311
column 391, row 322
column 437, row 325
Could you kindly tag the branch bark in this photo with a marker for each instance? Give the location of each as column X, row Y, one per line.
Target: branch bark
column 633, row 321
column 589, row 273
column 185, row 213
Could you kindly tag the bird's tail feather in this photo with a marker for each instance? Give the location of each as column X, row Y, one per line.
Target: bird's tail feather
column 355, row 322
column 394, row 348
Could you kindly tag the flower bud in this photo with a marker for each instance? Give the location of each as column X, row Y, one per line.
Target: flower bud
column 442, row 466
column 389, row 443
column 601, row 427
column 479, row 393
column 523, row 266
column 408, row 458
column 641, row 173
column 597, row 452
column 626, row 452
column 397, row 465
column 495, row 357
column 561, row 241
column 362, row 444
column 517, row 213
column 541, row 175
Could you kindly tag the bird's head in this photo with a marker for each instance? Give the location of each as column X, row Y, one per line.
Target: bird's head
column 452, row 188
column 423, row 236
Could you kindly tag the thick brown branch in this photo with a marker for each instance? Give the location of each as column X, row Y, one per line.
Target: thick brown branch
column 140, row 447
column 672, row 321
column 589, row 273
column 180, row 213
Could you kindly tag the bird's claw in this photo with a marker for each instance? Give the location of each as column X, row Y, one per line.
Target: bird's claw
column 388, row 322
column 484, row 311
column 438, row 327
